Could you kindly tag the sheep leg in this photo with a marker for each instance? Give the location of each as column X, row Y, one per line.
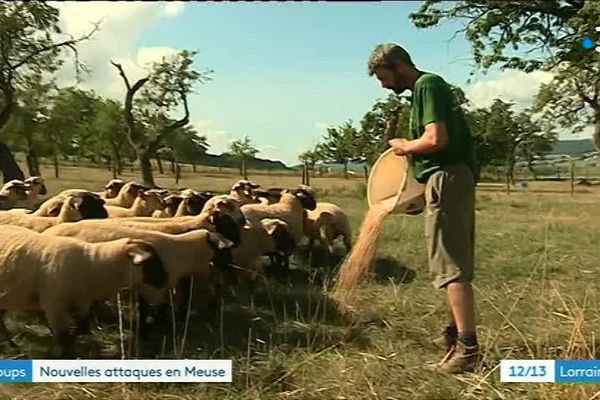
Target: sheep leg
column 83, row 323
column 58, row 321
column 144, row 312
column 4, row 330
column 347, row 243
column 183, row 287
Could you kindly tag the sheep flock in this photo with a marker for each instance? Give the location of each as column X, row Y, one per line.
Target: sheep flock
column 69, row 255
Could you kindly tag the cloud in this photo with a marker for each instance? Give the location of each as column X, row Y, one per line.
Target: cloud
column 122, row 24
column 218, row 139
column 268, row 151
column 514, row 86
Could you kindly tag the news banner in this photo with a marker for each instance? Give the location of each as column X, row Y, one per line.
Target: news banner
column 214, row 371
column 115, row 371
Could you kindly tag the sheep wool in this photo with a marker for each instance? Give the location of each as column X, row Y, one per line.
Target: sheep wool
column 62, row 276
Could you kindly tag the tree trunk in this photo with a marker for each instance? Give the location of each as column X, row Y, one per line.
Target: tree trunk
column 531, row 169
column 172, row 166
column 346, row 169
column 8, row 164
column 33, row 164
column 146, row 168
column 177, row 173
column 366, row 169
column 56, row 167
column 160, row 166
column 245, row 169
column 194, row 167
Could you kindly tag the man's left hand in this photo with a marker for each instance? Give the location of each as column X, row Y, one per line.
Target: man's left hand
column 401, row 146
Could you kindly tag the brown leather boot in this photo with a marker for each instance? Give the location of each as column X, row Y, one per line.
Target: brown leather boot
column 447, row 339
column 460, row 359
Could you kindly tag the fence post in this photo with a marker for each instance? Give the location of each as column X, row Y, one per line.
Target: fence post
column 572, row 177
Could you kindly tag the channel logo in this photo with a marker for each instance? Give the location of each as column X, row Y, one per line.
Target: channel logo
column 588, row 43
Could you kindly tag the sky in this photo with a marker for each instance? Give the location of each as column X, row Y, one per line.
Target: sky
column 283, row 71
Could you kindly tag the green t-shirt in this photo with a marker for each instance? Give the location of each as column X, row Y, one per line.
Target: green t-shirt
column 434, row 101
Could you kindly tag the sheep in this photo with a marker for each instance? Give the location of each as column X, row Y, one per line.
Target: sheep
column 325, row 223
column 268, row 196
column 144, row 205
column 184, row 255
column 271, row 236
column 193, row 203
column 62, row 276
column 290, row 209
column 172, row 203
column 75, row 208
column 35, row 187
column 241, row 192
column 125, row 198
column 11, row 193
column 224, row 218
column 112, row 188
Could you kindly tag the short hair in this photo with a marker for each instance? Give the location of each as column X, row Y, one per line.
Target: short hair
column 385, row 55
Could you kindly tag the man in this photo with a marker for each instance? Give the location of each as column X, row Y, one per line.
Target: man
column 441, row 150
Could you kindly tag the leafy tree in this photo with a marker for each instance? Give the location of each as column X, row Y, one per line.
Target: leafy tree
column 166, row 88
column 243, row 149
column 28, row 45
column 339, row 145
column 310, row 158
column 548, row 33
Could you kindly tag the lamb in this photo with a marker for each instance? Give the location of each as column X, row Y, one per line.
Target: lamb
column 12, row 193
column 62, row 276
column 325, row 223
column 268, row 196
column 290, row 209
column 75, row 208
column 184, row 255
column 144, row 205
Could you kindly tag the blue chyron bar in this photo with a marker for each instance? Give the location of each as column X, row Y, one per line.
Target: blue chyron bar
column 81, row 371
column 551, row 371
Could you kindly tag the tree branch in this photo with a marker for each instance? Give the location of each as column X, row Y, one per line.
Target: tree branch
column 68, row 43
column 170, row 128
column 131, row 131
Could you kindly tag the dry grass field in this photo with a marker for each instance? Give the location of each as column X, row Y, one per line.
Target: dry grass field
column 537, row 284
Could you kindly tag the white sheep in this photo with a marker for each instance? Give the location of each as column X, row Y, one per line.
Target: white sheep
column 144, row 205
column 11, row 193
column 193, row 202
column 75, row 208
column 325, row 223
column 112, row 188
column 271, row 236
column 241, row 192
column 62, row 276
column 172, row 203
column 184, row 255
column 125, row 198
column 224, row 218
column 35, row 187
column 290, row 209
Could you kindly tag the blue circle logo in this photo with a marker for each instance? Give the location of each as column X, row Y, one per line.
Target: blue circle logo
column 587, row 43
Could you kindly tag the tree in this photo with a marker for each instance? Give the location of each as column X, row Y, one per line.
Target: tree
column 242, row 150
column 310, row 158
column 339, row 145
column 167, row 87
column 27, row 45
column 548, row 32
column 506, row 133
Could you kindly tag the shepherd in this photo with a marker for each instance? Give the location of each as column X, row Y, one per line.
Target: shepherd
column 441, row 149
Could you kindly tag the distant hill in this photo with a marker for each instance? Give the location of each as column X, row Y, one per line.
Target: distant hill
column 573, row 147
column 227, row 161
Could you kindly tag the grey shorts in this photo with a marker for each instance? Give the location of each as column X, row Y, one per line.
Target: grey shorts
column 450, row 224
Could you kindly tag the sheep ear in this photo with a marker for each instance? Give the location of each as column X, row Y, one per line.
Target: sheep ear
column 218, row 242
column 43, row 190
column 76, row 202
